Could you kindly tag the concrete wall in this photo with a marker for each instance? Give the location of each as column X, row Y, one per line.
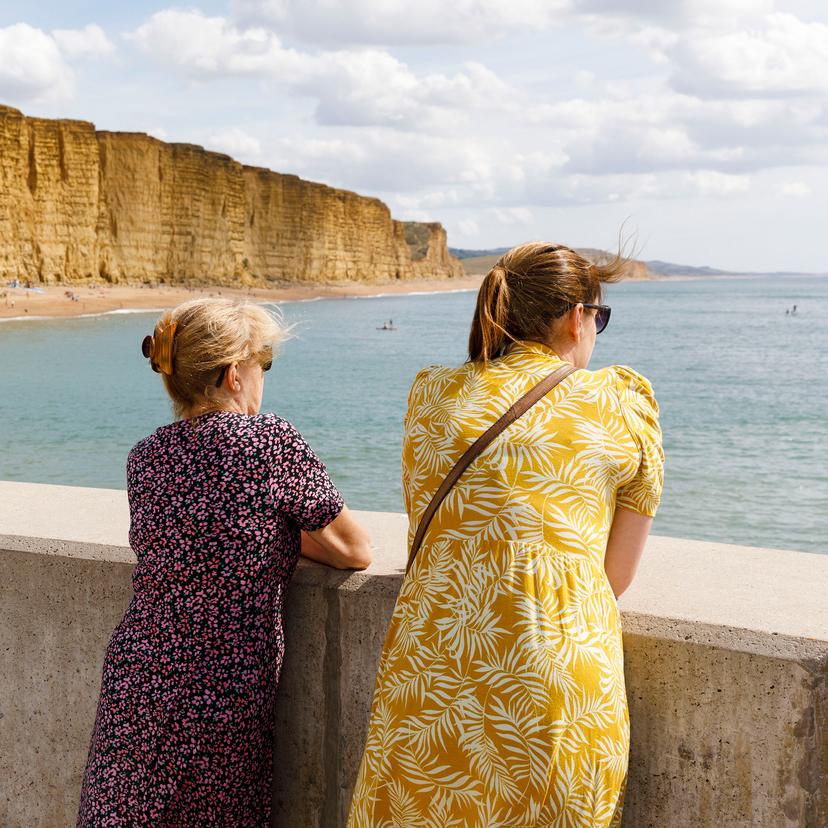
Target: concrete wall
column 726, row 651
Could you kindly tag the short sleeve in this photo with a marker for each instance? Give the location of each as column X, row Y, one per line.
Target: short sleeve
column 640, row 411
column 300, row 486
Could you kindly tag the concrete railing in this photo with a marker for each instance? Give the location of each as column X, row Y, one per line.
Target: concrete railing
column 726, row 654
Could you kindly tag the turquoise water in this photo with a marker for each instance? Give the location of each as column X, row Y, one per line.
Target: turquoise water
column 741, row 386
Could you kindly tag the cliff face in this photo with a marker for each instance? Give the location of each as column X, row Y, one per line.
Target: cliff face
column 79, row 205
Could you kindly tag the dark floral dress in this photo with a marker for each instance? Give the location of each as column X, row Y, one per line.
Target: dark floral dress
column 184, row 729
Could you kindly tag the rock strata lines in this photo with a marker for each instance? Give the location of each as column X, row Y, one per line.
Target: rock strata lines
column 79, row 205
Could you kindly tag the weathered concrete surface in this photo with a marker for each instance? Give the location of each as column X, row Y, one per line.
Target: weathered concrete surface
column 726, row 652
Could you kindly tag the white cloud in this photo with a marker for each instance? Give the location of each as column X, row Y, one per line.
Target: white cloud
column 372, row 87
column 432, row 142
column 90, row 41
column 32, row 68
column 388, row 22
column 213, row 46
column 630, row 132
column 399, row 22
column 429, row 174
column 710, row 183
column 469, row 228
column 237, row 143
column 434, row 200
column 158, row 132
column 358, row 87
column 391, row 162
column 406, row 214
column 612, row 17
column 781, row 55
column 720, row 48
column 513, row 215
column 795, row 189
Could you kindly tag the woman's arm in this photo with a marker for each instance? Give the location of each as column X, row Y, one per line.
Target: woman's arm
column 343, row 543
column 627, row 537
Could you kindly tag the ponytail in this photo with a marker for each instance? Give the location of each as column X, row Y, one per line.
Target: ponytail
column 489, row 330
column 529, row 287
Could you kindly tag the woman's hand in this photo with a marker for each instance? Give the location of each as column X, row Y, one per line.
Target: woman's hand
column 627, row 537
column 343, row 543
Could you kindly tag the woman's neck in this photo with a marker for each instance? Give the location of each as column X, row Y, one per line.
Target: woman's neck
column 205, row 408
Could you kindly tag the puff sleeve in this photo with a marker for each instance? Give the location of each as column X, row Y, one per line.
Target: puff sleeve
column 640, row 411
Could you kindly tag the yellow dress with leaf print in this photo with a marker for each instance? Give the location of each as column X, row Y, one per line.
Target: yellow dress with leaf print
column 500, row 697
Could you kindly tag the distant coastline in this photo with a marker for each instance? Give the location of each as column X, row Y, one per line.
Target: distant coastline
column 475, row 260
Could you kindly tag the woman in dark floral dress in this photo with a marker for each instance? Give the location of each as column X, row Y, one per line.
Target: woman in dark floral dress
column 222, row 501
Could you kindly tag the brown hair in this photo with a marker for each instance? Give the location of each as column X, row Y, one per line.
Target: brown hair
column 206, row 334
column 530, row 286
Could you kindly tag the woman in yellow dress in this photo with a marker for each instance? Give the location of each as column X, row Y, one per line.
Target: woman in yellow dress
column 500, row 697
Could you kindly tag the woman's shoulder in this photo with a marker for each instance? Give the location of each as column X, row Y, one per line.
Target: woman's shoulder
column 144, row 454
column 274, row 427
column 628, row 381
column 435, row 381
column 145, row 444
column 637, row 400
column 270, row 421
column 232, row 426
column 282, row 435
column 434, row 372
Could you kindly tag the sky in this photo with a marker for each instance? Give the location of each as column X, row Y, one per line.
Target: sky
column 697, row 129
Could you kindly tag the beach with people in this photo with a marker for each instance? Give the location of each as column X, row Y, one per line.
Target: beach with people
column 51, row 301
column 58, row 302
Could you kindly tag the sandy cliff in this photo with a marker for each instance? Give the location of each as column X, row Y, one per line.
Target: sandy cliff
column 77, row 205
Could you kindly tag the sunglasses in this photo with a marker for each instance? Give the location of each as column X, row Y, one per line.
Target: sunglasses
column 264, row 356
column 602, row 317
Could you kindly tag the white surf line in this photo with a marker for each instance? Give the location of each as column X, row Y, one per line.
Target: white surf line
column 409, row 293
column 36, row 318
column 367, row 296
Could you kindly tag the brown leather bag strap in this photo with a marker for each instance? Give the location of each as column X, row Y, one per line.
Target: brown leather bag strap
column 476, row 449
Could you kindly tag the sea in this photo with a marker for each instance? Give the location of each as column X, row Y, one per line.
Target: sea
column 742, row 388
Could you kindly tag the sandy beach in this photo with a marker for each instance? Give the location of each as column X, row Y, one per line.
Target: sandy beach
column 55, row 301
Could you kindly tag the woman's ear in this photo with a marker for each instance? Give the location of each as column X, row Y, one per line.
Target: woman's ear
column 233, row 377
column 576, row 322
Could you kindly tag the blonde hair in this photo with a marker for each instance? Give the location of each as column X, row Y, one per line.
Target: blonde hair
column 208, row 334
column 530, row 286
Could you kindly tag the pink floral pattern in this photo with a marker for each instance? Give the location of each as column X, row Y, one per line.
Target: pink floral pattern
column 183, row 734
